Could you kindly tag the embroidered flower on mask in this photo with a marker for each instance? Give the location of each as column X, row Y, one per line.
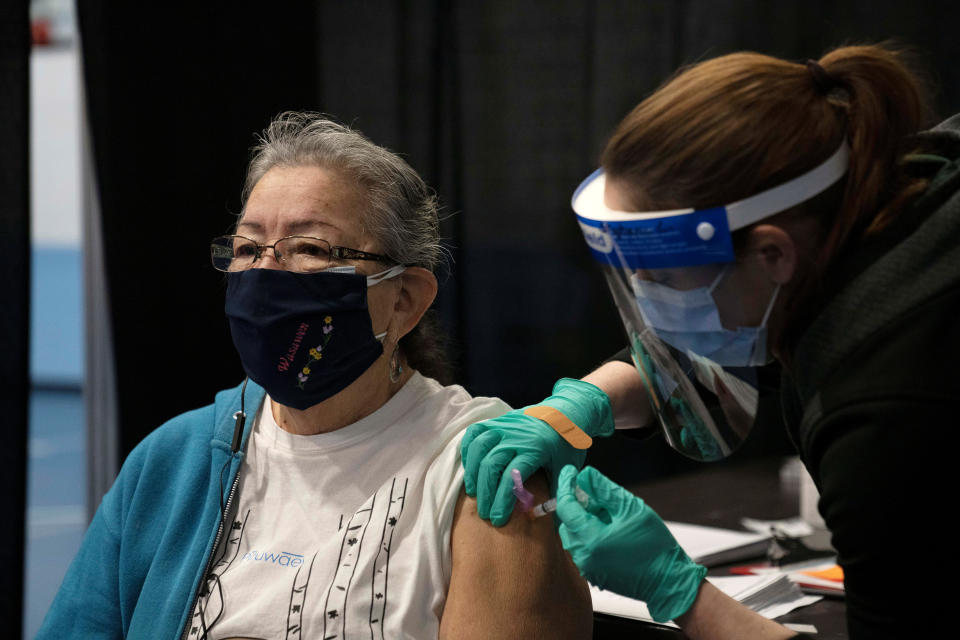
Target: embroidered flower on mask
column 316, row 353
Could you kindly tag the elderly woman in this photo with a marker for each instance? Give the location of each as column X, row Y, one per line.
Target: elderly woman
column 323, row 497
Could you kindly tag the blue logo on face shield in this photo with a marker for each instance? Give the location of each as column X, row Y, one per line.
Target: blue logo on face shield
column 657, row 243
column 597, row 239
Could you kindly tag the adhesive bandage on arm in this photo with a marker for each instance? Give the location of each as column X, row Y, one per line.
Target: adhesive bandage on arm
column 559, row 422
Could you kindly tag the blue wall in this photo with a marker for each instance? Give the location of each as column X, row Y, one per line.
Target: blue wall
column 56, row 513
column 56, row 322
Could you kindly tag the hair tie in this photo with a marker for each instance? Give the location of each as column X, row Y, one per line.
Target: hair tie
column 824, row 81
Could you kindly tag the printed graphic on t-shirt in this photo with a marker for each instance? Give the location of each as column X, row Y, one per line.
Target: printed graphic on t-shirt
column 209, row 607
column 351, row 549
column 352, row 603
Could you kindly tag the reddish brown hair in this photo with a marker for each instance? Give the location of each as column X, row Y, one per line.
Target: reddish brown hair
column 730, row 127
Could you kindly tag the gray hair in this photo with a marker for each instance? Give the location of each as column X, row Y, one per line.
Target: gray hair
column 402, row 210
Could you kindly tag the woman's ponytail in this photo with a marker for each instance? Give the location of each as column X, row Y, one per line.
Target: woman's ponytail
column 884, row 103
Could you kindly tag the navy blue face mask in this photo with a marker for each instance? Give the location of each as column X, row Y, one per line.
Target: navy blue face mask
column 303, row 337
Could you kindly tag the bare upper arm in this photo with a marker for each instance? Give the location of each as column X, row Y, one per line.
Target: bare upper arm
column 514, row 581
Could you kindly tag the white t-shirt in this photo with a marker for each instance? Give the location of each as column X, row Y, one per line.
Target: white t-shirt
column 345, row 534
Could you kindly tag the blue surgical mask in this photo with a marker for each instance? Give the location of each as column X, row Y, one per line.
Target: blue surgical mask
column 690, row 320
column 303, row 337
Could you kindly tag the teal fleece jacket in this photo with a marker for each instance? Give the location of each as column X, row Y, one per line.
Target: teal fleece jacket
column 140, row 565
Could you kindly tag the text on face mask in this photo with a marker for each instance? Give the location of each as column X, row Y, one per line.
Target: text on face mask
column 287, row 360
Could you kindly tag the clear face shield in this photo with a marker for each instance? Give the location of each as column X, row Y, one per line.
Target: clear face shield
column 670, row 273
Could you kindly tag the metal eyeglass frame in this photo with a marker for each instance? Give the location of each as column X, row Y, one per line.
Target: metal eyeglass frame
column 336, row 252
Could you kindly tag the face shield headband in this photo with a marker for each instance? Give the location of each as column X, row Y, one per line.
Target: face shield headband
column 688, row 237
column 701, row 377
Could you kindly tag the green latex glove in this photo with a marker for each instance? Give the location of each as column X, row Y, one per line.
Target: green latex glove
column 621, row 544
column 490, row 449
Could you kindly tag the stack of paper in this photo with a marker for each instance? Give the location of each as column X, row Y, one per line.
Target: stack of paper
column 826, row 579
column 816, row 577
column 770, row 596
column 773, row 596
column 712, row 546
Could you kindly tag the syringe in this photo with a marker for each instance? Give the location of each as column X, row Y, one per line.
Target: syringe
column 545, row 507
column 525, row 498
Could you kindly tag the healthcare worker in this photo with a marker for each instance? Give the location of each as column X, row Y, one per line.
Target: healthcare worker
column 750, row 209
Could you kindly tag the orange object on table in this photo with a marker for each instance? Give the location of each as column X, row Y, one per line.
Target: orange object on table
column 834, row 573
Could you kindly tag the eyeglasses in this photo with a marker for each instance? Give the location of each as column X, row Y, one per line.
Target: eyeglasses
column 301, row 254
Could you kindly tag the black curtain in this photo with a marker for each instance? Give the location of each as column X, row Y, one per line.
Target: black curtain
column 14, row 292
column 502, row 106
column 174, row 99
